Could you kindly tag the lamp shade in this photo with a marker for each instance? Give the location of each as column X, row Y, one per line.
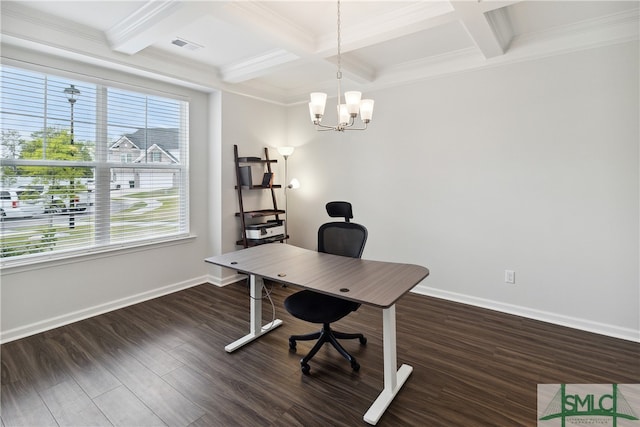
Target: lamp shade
column 318, row 101
column 352, row 98
column 294, row 184
column 285, row 151
column 366, row 110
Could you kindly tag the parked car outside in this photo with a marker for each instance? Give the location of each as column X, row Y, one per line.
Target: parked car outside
column 10, row 206
column 31, row 201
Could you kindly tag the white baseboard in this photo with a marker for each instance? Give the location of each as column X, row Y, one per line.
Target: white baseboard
column 545, row 316
column 55, row 322
column 558, row 319
column 229, row 280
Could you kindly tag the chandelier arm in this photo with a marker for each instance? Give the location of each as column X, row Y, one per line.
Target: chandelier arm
column 321, row 127
column 339, row 128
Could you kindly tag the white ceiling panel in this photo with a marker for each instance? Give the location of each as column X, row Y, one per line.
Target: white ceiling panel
column 432, row 42
column 221, row 42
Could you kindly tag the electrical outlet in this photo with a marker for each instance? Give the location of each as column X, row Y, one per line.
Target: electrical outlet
column 510, row 276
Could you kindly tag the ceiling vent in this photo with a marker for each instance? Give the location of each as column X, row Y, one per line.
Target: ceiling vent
column 186, row 44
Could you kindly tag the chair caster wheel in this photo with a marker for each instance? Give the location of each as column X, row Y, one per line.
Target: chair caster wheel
column 355, row 365
column 292, row 345
column 363, row 341
column 305, row 368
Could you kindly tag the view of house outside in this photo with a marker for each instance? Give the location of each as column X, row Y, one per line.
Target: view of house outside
column 85, row 166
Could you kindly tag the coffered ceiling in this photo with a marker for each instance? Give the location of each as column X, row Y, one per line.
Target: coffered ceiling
column 282, row 50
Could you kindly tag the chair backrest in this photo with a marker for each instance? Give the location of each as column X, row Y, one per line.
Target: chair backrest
column 342, row 238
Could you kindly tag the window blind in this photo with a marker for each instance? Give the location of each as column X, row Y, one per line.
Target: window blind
column 86, row 166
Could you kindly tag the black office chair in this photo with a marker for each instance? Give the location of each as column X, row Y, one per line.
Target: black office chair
column 338, row 238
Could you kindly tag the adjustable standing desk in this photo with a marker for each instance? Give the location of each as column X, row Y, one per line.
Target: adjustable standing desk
column 375, row 283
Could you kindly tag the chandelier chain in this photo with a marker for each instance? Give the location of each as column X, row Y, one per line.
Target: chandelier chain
column 339, row 73
column 339, row 42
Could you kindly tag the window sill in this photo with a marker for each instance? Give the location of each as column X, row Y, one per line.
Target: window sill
column 62, row 258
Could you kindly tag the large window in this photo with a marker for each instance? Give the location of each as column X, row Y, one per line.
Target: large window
column 85, row 167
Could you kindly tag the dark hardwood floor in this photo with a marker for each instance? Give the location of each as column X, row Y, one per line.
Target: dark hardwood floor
column 163, row 362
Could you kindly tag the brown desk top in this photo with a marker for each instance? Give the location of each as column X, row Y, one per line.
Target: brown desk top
column 375, row 283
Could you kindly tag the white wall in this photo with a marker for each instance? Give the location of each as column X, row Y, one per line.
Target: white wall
column 531, row 167
column 252, row 125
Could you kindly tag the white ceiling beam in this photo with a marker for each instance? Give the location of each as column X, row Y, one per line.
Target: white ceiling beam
column 150, row 23
column 256, row 66
column 480, row 28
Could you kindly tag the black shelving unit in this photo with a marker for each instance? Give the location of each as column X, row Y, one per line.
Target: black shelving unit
column 271, row 212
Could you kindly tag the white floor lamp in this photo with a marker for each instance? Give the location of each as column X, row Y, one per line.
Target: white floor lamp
column 286, row 152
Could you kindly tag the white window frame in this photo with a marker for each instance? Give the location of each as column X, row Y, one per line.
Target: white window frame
column 105, row 170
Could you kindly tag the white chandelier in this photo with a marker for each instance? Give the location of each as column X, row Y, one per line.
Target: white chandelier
column 348, row 111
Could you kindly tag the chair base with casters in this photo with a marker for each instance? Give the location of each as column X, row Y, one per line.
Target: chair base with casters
column 324, row 309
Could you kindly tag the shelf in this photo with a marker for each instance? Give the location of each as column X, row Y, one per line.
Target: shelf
column 243, row 176
column 254, row 160
column 256, row 242
column 261, row 213
column 259, row 187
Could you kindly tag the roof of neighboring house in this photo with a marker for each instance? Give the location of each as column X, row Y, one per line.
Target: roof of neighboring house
column 164, row 138
column 156, row 147
column 122, row 140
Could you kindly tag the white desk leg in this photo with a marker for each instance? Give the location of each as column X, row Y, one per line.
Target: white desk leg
column 255, row 329
column 393, row 380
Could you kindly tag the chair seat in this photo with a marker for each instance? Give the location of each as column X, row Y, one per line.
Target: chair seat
column 315, row 307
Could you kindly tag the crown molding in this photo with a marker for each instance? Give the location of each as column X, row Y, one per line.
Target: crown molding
column 254, row 67
column 607, row 30
column 122, row 36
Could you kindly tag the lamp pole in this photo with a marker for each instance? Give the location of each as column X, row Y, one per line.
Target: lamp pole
column 286, row 198
column 286, row 152
column 72, row 94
